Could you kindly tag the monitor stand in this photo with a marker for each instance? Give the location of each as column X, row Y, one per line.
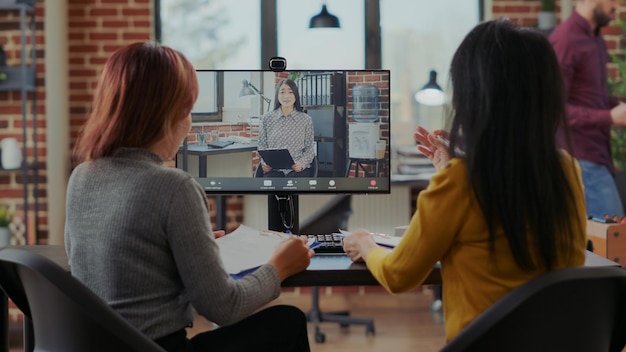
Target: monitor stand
column 287, row 205
column 328, row 219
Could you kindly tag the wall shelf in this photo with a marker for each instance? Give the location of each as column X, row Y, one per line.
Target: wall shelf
column 17, row 78
column 22, row 78
column 323, row 98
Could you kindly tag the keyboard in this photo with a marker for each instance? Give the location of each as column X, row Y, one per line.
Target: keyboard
column 328, row 243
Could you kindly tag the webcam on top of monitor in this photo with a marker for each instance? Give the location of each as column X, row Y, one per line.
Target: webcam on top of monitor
column 278, row 64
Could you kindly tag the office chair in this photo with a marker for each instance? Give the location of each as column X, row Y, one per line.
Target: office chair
column 66, row 316
column 328, row 219
column 573, row 309
column 259, row 171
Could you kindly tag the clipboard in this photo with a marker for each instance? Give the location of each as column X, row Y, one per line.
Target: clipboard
column 277, row 158
column 245, row 249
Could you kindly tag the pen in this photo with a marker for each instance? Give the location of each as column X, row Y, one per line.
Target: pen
column 381, row 234
column 384, row 235
column 274, row 233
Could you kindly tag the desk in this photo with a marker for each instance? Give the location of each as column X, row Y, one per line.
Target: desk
column 323, row 271
column 203, row 151
column 339, row 270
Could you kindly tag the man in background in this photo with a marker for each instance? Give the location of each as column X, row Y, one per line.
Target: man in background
column 582, row 54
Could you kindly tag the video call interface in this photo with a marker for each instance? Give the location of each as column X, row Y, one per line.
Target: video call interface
column 349, row 147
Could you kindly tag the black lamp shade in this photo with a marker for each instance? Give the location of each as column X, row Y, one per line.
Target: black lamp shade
column 432, row 81
column 324, row 19
column 431, row 94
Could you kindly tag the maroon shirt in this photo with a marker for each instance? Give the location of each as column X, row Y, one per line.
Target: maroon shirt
column 583, row 57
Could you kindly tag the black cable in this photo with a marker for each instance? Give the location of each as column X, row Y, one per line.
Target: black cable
column 283, row 211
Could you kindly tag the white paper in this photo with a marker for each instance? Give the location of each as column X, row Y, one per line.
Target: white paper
column 247, row 248
column 380, row 238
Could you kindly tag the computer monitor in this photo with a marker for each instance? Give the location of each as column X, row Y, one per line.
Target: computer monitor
column 345, row 151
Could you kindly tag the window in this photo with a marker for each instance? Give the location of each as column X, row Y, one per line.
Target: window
column 212, row 34
column 321, row 48
column 417, row 37
column 210, row 97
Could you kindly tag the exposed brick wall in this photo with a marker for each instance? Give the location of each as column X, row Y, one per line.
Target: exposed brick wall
column 523, row 12
column 96, row 29
column 381, row 81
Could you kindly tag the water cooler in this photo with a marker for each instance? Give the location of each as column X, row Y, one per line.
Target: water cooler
column 365, row 132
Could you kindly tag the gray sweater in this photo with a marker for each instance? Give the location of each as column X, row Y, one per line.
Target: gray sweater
column 139, row 235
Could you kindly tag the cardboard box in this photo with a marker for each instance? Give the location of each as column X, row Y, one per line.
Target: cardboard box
column 609, row 240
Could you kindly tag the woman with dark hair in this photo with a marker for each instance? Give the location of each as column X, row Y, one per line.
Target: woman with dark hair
column 505, row 204
column 287, row 127
column 139, row 233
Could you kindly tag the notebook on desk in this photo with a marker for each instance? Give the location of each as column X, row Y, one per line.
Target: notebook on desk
column 219, row 144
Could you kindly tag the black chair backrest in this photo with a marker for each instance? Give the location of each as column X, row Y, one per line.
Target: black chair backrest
column 66, row 315
column 573, row 309
column 314, row 167
column 329, row 218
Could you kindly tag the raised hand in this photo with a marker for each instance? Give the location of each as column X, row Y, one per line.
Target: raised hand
column 434, row 145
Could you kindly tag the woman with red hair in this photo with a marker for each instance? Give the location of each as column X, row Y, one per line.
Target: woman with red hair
column 139, row 234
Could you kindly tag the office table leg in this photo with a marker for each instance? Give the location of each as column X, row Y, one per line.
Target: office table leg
column 29, row 335
column 220, row 212
column 220, row 201
column 202, row 166
column 349, row 167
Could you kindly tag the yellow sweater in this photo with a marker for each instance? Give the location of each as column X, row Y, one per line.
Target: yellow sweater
column 449, row 227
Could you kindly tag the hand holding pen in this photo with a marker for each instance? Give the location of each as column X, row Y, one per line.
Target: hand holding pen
column 291, row 256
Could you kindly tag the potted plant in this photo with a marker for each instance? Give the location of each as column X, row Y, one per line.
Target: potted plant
column 546, row 20
column 6, row 216
column 618, row 89
column 618, row 133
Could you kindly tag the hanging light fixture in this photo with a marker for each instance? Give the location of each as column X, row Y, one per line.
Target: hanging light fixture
column 431, row 94
column 324, row 19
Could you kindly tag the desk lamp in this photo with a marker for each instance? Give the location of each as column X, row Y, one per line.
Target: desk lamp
column 249, row 89
column 431, row 94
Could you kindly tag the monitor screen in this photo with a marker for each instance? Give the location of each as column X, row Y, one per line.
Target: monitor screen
column 317, row 131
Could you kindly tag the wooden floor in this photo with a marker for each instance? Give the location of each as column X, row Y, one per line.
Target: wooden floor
column 403, row 322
